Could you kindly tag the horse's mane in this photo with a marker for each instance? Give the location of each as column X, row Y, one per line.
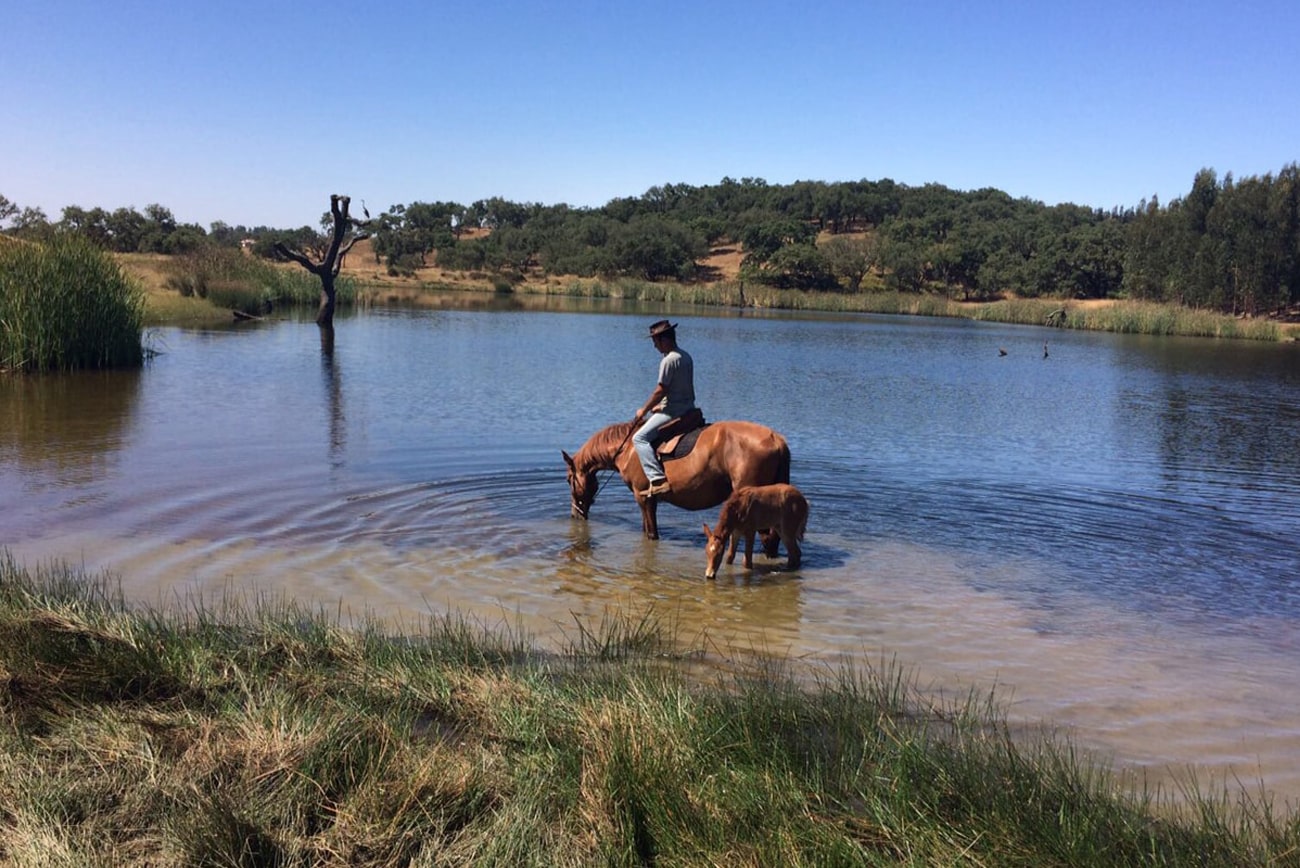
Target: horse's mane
column 603, row 447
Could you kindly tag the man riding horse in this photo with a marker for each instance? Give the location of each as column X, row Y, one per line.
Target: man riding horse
column 723, row 457
column 673, row 396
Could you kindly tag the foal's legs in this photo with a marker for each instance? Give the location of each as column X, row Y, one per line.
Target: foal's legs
column 731, row 553
column 790, row 536
column 795, row 554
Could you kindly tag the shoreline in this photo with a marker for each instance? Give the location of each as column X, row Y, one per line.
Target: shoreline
column 433, row 287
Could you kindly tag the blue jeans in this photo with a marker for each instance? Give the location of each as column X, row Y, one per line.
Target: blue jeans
column 646, row 452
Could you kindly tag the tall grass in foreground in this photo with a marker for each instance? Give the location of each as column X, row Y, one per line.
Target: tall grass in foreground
column 233, row 280
column 271, row 735
column 65, row 306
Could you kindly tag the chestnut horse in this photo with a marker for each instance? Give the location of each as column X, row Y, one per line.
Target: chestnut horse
column 726, row 456
column 748, row 511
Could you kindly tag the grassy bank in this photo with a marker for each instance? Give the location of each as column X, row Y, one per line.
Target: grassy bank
column 208, row 285
column 231, row 280
column 1126, row 317
column 269, row 735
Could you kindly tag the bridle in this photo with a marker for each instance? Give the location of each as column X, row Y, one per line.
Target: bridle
column 600, row 485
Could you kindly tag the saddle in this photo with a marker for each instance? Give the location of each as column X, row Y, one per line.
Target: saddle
column 676, row 436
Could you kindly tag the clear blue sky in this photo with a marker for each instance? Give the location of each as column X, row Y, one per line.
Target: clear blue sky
column 253, row 113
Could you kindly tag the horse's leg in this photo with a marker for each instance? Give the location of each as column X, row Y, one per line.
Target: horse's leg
column 749, row 550
column 649, row 520
column 735, row 540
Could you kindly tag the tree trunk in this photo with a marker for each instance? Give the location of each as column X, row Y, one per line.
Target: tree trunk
column 327, row 267
column 325, row 313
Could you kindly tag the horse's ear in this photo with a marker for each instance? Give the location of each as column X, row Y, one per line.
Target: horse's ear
column 708, row 533
column 567, row 459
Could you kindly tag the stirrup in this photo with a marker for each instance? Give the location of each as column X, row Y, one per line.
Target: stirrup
column 656, row 489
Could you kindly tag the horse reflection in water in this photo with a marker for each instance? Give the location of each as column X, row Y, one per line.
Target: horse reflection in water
column 727, row 456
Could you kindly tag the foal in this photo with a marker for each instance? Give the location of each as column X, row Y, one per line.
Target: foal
column 751, row 509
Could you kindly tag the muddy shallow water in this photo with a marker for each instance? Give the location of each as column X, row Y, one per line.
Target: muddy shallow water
column 1106, row 534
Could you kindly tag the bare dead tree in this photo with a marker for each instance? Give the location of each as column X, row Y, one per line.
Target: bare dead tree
column 329, row 259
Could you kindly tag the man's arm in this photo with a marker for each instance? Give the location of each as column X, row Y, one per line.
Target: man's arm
column 656, row 396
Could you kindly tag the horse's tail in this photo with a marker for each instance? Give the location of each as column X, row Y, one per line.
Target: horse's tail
column 783, row 464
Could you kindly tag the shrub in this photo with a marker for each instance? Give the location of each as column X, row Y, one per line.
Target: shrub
column 67, row 305
column 404, row 265
column 233, row 295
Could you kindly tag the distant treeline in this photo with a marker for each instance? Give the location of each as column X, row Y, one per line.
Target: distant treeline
column 1231, row 245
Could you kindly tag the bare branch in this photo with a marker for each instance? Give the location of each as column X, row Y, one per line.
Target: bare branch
column 294, row 256
column 339, row 208
column 338, row 263
column 360, row 237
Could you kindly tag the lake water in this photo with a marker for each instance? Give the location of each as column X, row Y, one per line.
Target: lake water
column 1106, row 533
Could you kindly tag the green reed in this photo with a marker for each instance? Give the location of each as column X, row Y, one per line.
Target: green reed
column 66, row 305
column 1128, row 317
column 238, row 734
column 1154, row 319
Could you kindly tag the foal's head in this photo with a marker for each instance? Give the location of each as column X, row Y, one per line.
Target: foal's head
column 713, row 550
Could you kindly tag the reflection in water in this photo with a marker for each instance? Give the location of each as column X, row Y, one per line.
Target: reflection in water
column 579, row 547
column 66, row 429
column 1217, row 426
column 332, row 378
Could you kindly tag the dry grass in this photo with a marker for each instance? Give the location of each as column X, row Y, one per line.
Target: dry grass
column 150, row 270
column 723, row 263
column 162, row 304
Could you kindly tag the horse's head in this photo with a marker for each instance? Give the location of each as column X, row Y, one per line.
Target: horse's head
column 582, row 487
